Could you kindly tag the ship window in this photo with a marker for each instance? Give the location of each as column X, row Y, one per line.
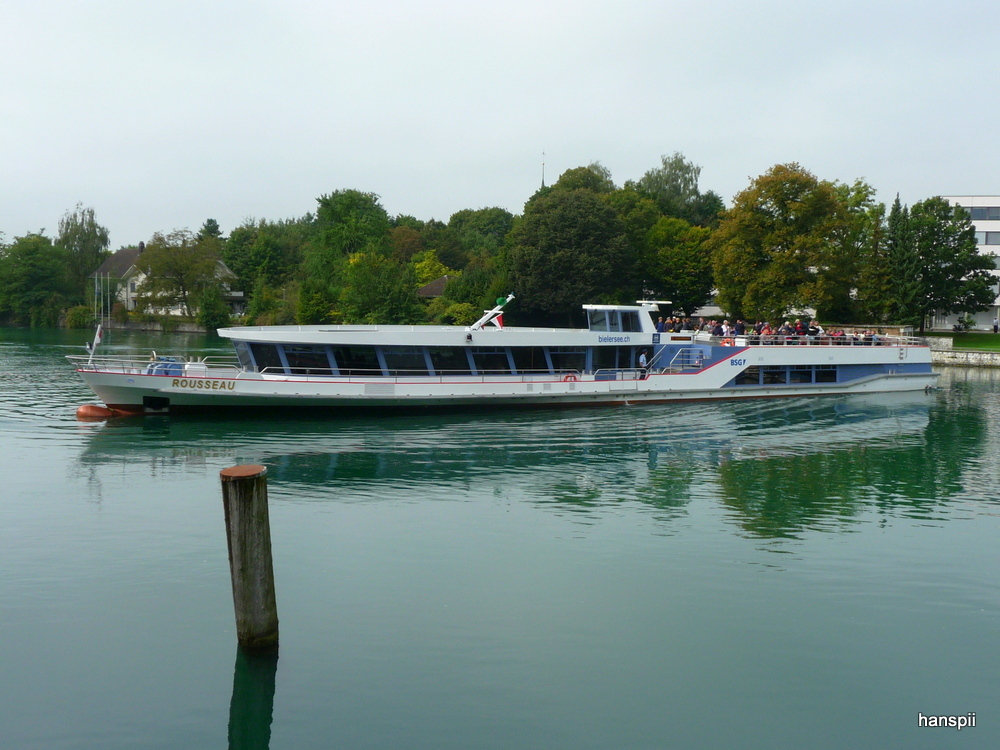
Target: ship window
column 800, row 375
column 449, row 360
column 570, row 358
column 630, row 321
column 405, row 360
column 598, row 320
column 357, row 360
column 491, row 360
column 750, row 376
column 307, row 360
column 529, row 359
column 243, row 354
column 266, row 357
column 611, row 357
column 775, row 375
column 826, row 373
column 604, row 357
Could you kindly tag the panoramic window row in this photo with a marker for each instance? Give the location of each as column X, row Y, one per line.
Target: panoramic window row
column 786, row 375
column 399, row 361
column 984, row 213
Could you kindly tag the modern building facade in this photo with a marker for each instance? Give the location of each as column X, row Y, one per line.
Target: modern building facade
column 985, row 212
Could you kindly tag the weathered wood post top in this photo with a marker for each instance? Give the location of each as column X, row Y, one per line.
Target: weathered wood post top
column 248, row 534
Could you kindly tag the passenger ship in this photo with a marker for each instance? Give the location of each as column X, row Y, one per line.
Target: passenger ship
column 488, row 364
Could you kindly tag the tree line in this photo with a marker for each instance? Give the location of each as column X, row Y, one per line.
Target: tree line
column 790, row 241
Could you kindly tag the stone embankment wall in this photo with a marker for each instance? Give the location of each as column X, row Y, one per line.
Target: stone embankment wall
column 942, row 353
column 155, row 325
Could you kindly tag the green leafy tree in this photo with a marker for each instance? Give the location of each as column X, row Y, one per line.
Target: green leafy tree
column 568, row 249
column 592, row 177
column 271, row 306
column 427, row 267
column 80, row 316
column 406, row 242
column 271, row 251
column 681, row 269
column 85, row 243
column 487, row 222
column 348, row 222
column 769, row 248
column 377, row 289
column 857, row 233
column 954, row 276
column 177, row 267
column 446, row 242
column 638, row 214
column 213, row 312
column 34, row 281
column 674, row 187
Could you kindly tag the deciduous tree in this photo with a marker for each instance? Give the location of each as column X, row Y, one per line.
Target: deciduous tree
column 770, row 246
column 681, row 268
column 34, row 283
column 568, row 249
column 177, row 267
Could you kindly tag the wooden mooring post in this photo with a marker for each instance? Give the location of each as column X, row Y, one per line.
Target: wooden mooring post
column 248, row 533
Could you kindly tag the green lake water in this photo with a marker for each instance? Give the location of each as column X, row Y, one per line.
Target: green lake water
column 795, row 573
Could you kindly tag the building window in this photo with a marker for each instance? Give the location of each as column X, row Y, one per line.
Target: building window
column 985, row 213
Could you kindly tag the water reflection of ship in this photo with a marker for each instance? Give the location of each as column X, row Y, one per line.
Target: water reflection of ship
column 574, row 459
column 308, row 451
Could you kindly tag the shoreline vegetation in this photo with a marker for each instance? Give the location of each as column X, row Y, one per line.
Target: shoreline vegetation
column 790, row 244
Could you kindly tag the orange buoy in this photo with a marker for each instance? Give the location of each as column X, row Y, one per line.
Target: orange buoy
column 93, row 413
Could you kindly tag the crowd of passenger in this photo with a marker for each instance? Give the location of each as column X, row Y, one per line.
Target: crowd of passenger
column 808, row 331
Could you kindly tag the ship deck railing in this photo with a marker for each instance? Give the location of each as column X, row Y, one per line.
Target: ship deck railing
column 129, row 364
column 775, row 339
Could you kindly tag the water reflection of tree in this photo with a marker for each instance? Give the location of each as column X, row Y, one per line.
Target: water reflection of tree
column 794, row 490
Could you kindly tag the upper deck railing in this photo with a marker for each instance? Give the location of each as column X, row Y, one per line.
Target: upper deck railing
column 824, row 340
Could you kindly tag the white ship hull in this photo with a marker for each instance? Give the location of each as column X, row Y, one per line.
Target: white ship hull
column 199, row 387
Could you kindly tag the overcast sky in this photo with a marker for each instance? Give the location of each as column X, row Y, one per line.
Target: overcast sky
column 161, row 115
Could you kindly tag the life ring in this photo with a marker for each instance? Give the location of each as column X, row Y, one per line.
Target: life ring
column 570, row 378
column 728, row 342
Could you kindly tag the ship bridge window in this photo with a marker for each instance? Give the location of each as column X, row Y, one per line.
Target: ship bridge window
column 568, row 358
column 530, row 359
column 630, row 321
column 491, row 360
column 405, row 360
column 266, row 357
column 449, row 360
column 243, row 354
column 357, row 360
column 307, row 360
column 598, row 320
